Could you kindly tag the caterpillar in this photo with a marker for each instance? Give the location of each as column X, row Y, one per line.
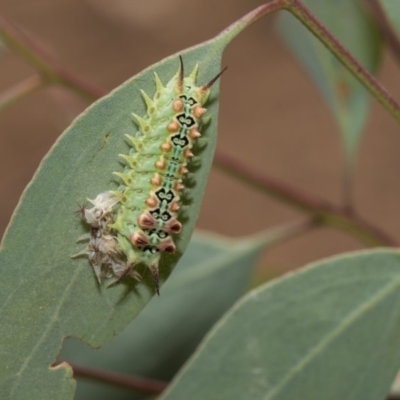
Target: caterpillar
column 137, row 223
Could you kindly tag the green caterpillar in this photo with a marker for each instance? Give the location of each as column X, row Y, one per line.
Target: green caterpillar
column 137, row 223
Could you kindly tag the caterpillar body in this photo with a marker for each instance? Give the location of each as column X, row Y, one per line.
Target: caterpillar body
column 137, row 223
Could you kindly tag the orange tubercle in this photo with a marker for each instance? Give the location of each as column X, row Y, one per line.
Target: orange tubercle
column 173, row 226
column 147, row 221
column 178, row 105
column 160, row 164
column 173, row 126
column 183, row 170
column 174, row 206
column 167, row 246
column 156, row 180
column 198, row 111
column 194, row 133
column 188, row 153
column 152, row 201
column 178, row 187
column 166, row 146
column 139, row 239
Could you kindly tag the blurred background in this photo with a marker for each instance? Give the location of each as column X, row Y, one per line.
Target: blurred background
column 271, row 115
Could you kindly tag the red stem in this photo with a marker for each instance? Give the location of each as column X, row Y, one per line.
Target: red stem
column 120, row 380
column 14, row 93
column 52, row 72
column 322, row 210
column 379, row 14
column 297, row 8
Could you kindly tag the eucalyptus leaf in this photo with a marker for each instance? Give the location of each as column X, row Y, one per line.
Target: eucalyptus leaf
column 330, row 331
column 210, row 277
column 392, row 10
column 347, row 98
column 44, row 294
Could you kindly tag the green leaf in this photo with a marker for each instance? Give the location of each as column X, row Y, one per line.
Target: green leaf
column 211, row 276
column 392, row 11
column 330, row 331
column 347, row 98
column 44, row 294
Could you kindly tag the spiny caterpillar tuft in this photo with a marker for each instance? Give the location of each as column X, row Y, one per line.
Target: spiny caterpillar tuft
column 137, row 223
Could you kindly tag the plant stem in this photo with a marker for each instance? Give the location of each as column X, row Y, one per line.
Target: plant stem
column 321, row 210
column 297, row 8
column 379, row 14
column 228, row 34
column 120, row 380
column 50, row 71
column 11, row 95
column 281, row 234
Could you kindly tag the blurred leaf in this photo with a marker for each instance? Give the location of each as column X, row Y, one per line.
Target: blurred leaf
column 392, row 10
column 330, row 331
column 211, row 276
column 44, row 295
column 395, row 389
column 346, row 97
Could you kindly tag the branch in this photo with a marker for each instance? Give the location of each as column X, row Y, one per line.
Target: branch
column 297, row 8
column 28, row 86
column 49, row 69
column 228, row 34
column 321, row 210
column 380, row 17
column 120, row 380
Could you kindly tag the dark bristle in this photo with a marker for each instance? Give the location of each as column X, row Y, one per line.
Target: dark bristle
column 181, row 73
column 81, row 210
column 213, row 80
column 154, row 272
